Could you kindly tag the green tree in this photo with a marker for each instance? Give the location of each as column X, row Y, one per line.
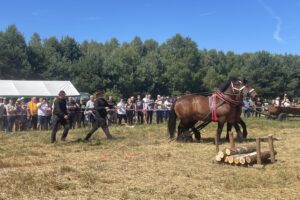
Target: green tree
column 180, row 58
column 36, row 57
column 13, row 55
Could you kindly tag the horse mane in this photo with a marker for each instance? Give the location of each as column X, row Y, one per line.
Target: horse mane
column 224, row 85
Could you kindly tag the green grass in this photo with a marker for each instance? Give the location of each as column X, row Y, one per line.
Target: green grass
column 142, row 164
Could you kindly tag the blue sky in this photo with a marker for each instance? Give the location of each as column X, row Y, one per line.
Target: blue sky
column 228, row 25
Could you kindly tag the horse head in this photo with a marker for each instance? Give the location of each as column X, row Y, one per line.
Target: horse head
column 249, row 90
column 236, row 87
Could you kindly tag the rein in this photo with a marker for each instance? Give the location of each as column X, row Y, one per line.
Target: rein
column 222, row 97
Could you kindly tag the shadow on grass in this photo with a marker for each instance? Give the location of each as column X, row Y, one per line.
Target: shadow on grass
column 96, row 140
column 211, row 140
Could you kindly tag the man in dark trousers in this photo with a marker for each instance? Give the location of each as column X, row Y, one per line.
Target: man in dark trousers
column 100, row 111
column 60, row 116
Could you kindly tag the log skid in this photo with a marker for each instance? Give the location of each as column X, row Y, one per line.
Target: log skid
column 246, row 155
column 252, row 159
column 242, row 159
column 240, row 150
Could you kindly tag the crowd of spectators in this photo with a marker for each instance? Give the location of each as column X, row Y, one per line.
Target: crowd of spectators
column 258, row 106
column 35, row 114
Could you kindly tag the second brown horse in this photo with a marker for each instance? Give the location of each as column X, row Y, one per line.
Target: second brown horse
column 193, row 108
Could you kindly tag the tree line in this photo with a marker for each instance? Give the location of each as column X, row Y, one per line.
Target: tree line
column 175, row 67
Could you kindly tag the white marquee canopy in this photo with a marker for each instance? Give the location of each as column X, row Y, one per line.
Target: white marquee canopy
column 36, row 88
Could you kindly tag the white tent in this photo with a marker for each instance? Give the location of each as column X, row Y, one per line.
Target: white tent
column 36, row 88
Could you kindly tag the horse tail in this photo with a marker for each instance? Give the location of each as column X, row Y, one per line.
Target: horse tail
column 172, row 121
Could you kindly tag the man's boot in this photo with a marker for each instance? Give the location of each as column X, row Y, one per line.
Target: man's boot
column 107, row 133
column 87, row 137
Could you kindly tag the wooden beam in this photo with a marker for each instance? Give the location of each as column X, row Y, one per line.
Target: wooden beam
column 271, row 148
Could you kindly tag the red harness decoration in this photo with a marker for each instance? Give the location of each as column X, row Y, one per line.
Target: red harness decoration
column 220, row 96
column 214, row 97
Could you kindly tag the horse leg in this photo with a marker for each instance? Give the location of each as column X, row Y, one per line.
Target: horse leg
column 184, row 134
column 188, row 137
column 219, row 130
column 245, row 132
column 239, row 133
column 179, row 133
column 229, row 128
column 197, row 134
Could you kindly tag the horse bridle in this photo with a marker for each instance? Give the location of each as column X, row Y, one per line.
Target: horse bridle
column 237, row 89
column 240, row 89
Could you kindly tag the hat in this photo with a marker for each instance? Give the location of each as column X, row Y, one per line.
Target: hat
column 20, row 99
column 99, row 92
column 61, row 93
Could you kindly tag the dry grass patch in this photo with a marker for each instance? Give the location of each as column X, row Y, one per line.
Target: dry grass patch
column 142, row 164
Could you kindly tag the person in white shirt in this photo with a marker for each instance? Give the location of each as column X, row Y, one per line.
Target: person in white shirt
column 167, row 107
column 277, row 102
column 121, row 111
column 43, row 110
column 285, row 102
column 145, row 106
column 88, row 113
column 11, row 115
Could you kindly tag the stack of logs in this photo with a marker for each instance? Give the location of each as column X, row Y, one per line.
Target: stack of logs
column 246, row 155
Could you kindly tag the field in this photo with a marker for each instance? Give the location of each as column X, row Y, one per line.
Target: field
column 142, row 164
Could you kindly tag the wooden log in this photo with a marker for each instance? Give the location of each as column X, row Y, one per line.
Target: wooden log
column 226, row 159
column 258, row 152
column 231, row 159
column 220, row 156
column 241, row 159
column 236, row 160
column 231, row 140
column 271, row 148
column 240, row 150
column 252, row 158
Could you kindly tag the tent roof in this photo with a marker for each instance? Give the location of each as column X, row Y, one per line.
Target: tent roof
column 36, row 88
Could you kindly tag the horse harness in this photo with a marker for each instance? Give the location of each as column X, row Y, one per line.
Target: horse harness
column 214, row 106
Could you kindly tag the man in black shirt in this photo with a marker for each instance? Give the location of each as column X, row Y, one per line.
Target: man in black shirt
column 111, row 114
column 60, row 116
column 101, row 108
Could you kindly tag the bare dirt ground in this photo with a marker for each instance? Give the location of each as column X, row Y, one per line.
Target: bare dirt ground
column 142, row 164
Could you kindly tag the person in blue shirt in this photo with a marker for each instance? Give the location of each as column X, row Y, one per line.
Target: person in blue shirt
column 246, row 107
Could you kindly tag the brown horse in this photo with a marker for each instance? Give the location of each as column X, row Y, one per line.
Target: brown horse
column 193, row 108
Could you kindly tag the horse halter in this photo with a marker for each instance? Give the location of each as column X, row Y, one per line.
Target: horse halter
column 250, row 91
column 238, row 89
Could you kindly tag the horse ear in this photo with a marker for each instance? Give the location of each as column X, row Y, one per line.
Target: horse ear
column 245, row 82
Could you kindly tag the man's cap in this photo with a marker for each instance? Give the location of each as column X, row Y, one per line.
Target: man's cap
column 20, row 99
column 99, row 92
column 61, row 93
